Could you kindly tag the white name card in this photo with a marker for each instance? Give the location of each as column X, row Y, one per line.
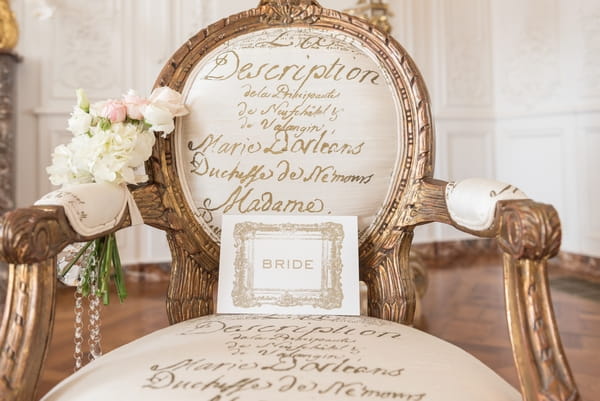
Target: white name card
column 304, row 265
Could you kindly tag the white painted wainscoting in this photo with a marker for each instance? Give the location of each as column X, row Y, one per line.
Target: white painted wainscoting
column 515, row 88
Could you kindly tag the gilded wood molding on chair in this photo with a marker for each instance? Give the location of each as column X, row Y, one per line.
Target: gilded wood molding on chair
column 149, row 201
column 529, row 233
column 30, row 239
column 527, row 229
column 26, row 328
column 290, row 11
column 288, row 3
column 390, row 282
column 192, row 288
column 416, row 158
column 34, row 234
column 544, row 372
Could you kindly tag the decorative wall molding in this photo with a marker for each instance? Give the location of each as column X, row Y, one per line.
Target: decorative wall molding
column 589, row 20
column 528, row 62
column 464, row 37
column 101, row 63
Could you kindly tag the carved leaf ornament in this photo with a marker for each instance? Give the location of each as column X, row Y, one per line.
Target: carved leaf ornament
column 288, row 12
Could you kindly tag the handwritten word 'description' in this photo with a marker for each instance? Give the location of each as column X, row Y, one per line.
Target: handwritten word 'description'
column 298, row 331
column 229, row 65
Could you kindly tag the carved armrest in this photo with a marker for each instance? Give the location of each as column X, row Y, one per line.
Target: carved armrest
column 75, row 214
column 30, row 238
column 528, row 233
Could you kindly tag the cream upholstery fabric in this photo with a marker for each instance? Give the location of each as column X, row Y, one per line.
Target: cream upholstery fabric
column 94, row 208
column 472, row 202
column 246, row 357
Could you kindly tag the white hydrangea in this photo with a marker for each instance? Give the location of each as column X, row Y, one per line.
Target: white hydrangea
column 113, row 138
column 110, row 155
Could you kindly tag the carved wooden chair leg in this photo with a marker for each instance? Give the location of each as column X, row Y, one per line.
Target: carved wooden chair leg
column 389, row 279
column 191, row 289
column 26, row 328
column 421, row 276
column 529, row 234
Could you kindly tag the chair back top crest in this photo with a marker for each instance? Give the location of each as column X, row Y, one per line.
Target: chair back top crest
column 295, row 109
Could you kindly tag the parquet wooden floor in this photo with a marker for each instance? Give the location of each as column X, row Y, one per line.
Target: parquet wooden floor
column 463, row 305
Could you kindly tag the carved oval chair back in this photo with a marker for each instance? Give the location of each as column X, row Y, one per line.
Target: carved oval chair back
column 315, row 113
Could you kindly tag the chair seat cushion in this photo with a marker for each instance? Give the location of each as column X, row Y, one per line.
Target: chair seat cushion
column 245, row 357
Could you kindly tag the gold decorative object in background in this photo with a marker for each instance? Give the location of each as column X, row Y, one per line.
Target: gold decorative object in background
column 375, row 11
column 9, row 31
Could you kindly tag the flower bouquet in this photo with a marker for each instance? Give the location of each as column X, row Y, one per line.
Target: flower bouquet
column 111, row 141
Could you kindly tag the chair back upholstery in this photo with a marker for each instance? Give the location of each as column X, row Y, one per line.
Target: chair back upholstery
column 295, row 109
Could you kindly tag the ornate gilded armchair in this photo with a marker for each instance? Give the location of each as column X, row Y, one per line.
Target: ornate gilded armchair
column 294, row 108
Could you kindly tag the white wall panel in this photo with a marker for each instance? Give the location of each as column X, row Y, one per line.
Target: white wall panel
column 463, row 34
column 533, row 161
column 52, row 132
column 526, row 55
column 469, row 155
column 101, row 63
column 588, row 35
column 590, row 193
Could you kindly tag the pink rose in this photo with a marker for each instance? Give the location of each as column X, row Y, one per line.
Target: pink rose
column 114, row 110
column 135, row 105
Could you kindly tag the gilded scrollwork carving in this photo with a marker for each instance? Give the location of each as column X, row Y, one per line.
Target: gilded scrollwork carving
column 543, row 370
column 390, row 284
column 287, row 12
column 26, row 327
column 527, row 229
column 192, row 288
column 529, row 233
column 34, row 234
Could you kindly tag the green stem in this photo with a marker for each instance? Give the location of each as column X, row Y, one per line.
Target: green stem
column 105, row 265
column 119, row 276
column 103, row 260
column 77, row 257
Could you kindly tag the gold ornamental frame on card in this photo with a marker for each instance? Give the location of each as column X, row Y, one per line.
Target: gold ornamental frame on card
column 414, row 134
column 329, row 295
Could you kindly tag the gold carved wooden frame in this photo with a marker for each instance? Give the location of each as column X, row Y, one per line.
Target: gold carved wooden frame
column 187, row 237
column 329, row 296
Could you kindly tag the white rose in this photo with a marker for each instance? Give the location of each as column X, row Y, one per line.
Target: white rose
column 160, row 119
column 80, row 121
column 168, row 99
column 142, row 150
